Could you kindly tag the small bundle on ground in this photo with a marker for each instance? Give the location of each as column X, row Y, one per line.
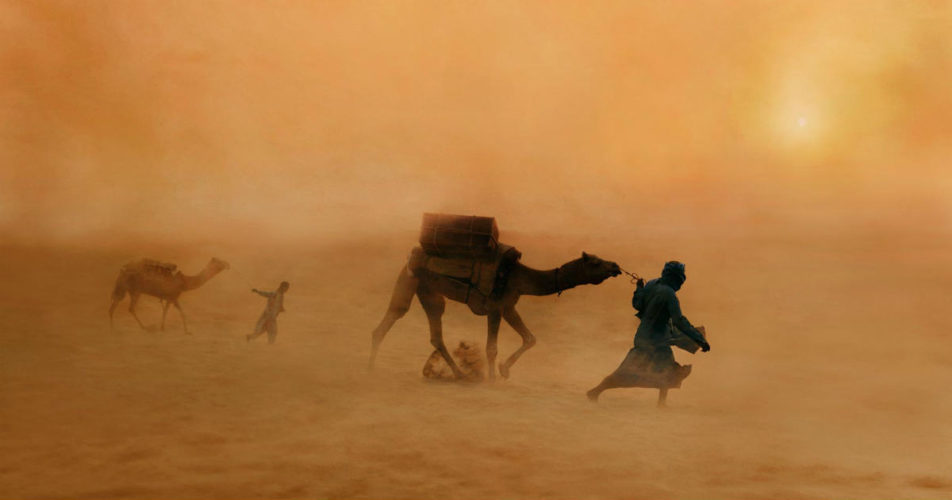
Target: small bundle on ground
column 469, row 358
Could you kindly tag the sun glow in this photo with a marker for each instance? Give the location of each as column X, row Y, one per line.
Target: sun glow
column 798, row 125
column 798, row 113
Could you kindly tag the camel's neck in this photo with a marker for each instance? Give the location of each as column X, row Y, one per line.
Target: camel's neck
column 530, row 281
column 193, row 282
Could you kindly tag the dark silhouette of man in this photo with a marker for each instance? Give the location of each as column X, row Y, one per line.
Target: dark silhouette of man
column 650, row 363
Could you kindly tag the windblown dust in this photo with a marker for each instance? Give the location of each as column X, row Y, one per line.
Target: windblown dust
column 794, row 156
column 829, row 379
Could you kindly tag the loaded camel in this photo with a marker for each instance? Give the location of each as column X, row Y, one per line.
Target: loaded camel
column 160, row 280
column 433, row 290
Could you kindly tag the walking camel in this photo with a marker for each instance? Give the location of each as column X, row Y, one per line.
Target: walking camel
column 432, row 290
column 160, row 280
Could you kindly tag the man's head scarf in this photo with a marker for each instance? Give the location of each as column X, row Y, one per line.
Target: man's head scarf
column 673, row 274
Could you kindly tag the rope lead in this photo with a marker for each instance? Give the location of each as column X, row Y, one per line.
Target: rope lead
column 634, row 277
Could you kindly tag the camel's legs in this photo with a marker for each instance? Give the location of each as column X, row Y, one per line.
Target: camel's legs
column 118, row 293
column 493, row 320
column 662, row 397
column 403, row 292
column 434, row 305
column 182, row 313
column 112, row 307
column 528, row 339
column 133, row 299
column 165, row 310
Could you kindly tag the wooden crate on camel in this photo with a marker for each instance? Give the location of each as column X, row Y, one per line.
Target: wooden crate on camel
column 465, row 249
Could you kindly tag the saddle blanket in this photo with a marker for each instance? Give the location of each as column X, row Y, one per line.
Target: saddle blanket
column 486, row 276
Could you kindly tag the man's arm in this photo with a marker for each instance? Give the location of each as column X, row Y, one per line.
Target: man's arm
column 681, row 323
column 263, row 293
column 637, row 298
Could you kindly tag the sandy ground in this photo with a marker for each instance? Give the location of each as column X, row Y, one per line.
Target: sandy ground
column 829, row 378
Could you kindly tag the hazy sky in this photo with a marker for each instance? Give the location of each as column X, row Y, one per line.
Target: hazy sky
column 303, row 119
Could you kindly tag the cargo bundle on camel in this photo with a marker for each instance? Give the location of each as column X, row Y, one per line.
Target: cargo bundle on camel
column 461, row 259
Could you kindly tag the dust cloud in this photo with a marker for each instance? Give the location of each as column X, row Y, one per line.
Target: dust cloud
column 794, row 156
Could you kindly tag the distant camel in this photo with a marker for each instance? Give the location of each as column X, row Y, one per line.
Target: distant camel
column 433, row 289
column 159, row 280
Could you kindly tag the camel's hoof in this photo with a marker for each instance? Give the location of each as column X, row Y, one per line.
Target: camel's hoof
column 592, row 396
column 503, row 370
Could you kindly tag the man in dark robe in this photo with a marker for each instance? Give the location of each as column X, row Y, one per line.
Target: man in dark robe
column 650, row 363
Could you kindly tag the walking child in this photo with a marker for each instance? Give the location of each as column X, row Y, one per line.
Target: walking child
column 269, row 318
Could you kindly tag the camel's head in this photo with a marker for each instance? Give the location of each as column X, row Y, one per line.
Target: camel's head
column 595, row 270
column 217, row 265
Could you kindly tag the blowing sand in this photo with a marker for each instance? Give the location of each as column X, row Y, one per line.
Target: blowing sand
column 795, row 155
column 828, row 378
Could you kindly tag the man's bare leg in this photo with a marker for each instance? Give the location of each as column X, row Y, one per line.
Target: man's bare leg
column 610, row 382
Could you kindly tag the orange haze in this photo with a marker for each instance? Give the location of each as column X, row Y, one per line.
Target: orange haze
column 794, row 154
column 296, row 120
